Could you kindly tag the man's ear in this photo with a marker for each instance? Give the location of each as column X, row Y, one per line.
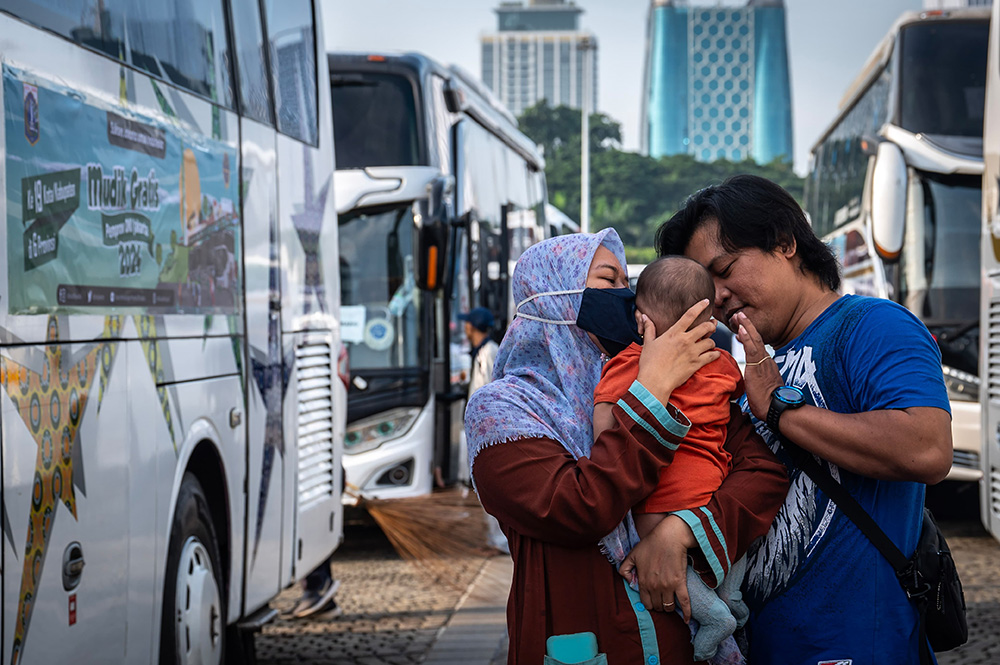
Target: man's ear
column 786, row 247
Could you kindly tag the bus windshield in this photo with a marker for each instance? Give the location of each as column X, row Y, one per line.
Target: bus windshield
column 940, row 281
column 380, row 303
column 374, row 120
column 943, row 77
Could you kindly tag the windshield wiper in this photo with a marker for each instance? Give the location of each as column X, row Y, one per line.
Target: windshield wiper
column 951, row 335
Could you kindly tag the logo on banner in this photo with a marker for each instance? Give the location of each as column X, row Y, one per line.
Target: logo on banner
column 31, row 120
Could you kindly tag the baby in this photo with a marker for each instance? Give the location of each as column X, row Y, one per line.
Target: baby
column 666, row 289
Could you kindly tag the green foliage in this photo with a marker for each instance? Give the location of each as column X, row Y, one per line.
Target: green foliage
column 643, row 255
column 631, row 192
column 557, row 128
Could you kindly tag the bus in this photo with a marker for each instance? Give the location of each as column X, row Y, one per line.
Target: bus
column 438, row 194
column 171, row 410
column 989, row 488
column 895, row 187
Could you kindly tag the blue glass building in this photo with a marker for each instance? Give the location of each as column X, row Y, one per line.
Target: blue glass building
column 716, row 82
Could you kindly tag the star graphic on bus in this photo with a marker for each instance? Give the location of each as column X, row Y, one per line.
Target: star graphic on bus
column 270, row 374
column 308, row 223
column 51, row 401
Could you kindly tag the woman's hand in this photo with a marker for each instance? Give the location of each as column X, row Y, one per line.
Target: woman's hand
column 669, row 360
column 660, row 563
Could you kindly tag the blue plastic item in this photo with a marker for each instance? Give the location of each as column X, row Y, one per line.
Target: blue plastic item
column 569, row 649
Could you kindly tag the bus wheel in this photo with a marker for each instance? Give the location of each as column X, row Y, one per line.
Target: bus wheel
column 194, row 618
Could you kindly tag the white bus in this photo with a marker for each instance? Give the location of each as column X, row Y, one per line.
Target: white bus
column 895, row 188
column 990, row 309
column 438, row 194
column 171, row 417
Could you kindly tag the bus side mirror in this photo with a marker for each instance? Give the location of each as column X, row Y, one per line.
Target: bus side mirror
column 433, row 218
column 888, row 194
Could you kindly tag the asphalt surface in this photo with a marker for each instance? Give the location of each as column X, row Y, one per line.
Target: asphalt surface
column 395, row 613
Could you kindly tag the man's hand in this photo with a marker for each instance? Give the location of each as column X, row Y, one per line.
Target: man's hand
column 761, row 375
column 660, row 563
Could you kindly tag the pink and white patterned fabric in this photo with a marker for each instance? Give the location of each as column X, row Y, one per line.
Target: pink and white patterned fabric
column 545, row 372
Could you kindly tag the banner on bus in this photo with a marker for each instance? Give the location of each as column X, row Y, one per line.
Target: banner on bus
column 109, row 210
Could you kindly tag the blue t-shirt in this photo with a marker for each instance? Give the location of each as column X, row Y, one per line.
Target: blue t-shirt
column 817, row 588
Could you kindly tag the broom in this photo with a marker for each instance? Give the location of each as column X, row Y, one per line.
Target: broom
column 432, row 530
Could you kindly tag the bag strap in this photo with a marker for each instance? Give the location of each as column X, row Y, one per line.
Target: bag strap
column 839, row 495
column 909, row 577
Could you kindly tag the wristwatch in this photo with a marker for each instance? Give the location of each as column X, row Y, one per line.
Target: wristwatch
column 783, row 397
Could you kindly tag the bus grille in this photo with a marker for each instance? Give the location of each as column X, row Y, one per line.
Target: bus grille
column 995, row 490
column 994, row 350
column 965, row 459
column 314, row 369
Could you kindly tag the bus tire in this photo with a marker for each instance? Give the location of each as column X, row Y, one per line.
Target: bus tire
column 194, row 606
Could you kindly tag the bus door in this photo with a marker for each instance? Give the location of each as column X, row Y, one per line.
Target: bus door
column 312, row 513
column 265, row 368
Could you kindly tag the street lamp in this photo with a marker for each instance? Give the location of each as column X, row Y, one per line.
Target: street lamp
column 587, row 47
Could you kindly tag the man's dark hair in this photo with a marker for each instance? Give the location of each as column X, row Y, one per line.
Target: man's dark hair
column 752, row 212
column 670, row 286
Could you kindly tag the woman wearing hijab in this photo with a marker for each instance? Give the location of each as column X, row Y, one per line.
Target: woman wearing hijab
column 563, row 499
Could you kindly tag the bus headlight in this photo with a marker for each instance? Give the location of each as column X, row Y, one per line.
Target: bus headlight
column 962, row 386
column 370, row 433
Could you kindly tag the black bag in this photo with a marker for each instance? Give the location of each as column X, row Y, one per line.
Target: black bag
column 929, row 577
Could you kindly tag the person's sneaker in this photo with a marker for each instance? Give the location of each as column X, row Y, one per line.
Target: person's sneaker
column 314, row 601
column 329, row 611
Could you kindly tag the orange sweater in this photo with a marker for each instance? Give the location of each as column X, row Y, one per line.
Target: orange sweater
column 700, row 463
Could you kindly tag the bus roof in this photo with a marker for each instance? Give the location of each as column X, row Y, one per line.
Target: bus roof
column 880, row 57
column 478, row 101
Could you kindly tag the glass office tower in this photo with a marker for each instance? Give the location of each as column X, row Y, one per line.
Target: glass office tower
column 716, row 82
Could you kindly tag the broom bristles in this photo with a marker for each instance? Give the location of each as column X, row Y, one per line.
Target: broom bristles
column 434, row 529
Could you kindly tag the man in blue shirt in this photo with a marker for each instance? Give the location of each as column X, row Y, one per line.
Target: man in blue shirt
column 857, row 382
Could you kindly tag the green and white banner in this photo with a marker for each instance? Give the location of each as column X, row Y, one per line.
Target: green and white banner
column 108, row 210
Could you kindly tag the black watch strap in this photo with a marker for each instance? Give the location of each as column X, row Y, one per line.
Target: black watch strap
column 774, row 414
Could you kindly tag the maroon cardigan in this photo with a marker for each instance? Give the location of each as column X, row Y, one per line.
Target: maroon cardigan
column 554, row 511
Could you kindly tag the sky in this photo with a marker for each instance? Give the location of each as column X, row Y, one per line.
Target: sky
column 828, row 42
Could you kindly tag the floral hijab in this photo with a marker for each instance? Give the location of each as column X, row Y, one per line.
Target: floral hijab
column 546, row 367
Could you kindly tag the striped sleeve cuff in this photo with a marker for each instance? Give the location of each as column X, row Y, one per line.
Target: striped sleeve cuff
column 711, row 542
column 663, row 422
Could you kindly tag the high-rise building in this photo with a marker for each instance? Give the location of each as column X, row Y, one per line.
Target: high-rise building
column 716, row 82
column 956, row 4
column 538, row 52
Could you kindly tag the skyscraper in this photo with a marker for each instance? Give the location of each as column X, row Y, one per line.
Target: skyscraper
column 716, row 82
column 538, row 52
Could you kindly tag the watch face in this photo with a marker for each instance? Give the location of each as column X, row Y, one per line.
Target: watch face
column 789, row 395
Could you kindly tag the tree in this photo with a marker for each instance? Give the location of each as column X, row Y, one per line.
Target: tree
column 631, row 192
column 556, row 128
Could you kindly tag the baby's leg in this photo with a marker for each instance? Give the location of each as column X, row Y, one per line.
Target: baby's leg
column 646, row 522
column 729, row 592
column 715, row 619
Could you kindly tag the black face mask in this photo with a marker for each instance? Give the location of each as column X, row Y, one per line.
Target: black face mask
column 610, row 315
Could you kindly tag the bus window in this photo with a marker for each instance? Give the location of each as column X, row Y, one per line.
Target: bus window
column 293, row 66
column 183, row 43
column 943, row 83
column 374, row 121
column 255, row 96
column 378, row 290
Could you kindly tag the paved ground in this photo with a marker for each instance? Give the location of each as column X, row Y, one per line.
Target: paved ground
column 977, row 556
column 395, row 614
